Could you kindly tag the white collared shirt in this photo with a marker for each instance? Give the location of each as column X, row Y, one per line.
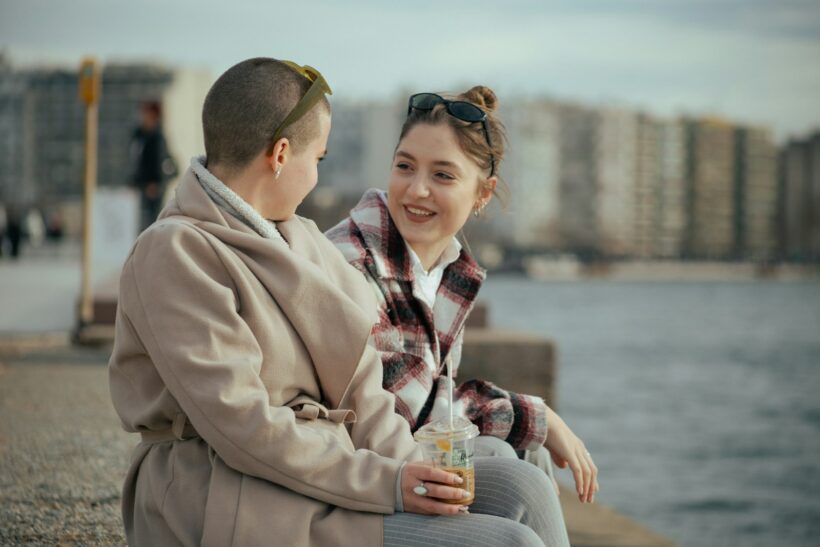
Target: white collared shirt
column 426, row 283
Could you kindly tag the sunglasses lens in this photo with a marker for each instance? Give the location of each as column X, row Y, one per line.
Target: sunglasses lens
column 425, row 101
column 466, row 111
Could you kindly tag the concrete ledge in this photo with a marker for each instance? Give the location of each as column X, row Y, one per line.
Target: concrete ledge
column 513, row 360
column 599, row 526
column 14, row 344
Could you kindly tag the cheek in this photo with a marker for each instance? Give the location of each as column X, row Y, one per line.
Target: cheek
column 395, row 192
column 395, row 186
column 459, row 208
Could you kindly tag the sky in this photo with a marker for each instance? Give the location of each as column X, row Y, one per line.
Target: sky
column 753, row 61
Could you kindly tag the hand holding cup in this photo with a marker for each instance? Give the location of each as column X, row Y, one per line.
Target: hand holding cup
column 431, row 491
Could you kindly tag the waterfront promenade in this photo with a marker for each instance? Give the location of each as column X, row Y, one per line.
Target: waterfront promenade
column 63, row 454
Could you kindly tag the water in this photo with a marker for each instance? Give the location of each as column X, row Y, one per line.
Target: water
column 698, row 401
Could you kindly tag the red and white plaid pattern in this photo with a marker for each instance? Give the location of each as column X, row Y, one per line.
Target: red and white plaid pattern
column 417, row 343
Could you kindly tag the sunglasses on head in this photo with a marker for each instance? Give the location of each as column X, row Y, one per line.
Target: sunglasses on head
column 461, row 110
column 318, row 89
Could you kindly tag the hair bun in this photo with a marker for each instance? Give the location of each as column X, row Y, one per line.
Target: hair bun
column 482, row 96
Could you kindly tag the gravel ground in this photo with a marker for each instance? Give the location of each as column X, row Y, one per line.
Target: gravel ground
column 63, row 455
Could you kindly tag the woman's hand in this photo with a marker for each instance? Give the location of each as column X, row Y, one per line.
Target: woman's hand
column 439, row 484
column 568, row 450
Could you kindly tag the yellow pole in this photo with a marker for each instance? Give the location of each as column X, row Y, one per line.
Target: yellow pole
column 89, row 94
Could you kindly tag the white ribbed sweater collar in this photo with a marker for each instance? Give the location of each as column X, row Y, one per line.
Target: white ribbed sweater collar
column 231, row 202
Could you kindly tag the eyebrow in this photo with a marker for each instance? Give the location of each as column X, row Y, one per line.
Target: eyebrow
column 443, row 163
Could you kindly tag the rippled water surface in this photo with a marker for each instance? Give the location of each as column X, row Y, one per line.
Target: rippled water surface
column 699, row 401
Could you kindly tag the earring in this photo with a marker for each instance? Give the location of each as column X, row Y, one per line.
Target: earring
column 277, row 172
column 478, row 209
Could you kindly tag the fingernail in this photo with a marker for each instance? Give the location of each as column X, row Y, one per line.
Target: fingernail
column 464, row 509
column 459, row 480
column 465, row 494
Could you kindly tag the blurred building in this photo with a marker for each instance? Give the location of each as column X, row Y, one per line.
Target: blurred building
column 16, row 139
column 710, row 181
column 641, row 202
column 531, row 169
column 361, row 145
column 619, row 211
column 647, row 215
column 671, row 202
column 800, row 191
column 607, row 181
column 578, row 228
column 44, row 122
column 755, row 194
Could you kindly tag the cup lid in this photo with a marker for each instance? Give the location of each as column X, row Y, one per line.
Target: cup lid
column 463, row 429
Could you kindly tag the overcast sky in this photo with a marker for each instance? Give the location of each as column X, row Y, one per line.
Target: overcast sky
column 753, row 61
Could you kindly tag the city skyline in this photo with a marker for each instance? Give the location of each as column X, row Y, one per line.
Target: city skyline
column 604, row 181
column 748, row 61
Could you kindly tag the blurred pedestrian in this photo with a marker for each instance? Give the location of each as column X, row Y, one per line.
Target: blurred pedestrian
column 54, row 225
column 14, row 228
column 3, row 223
column 153, row 164
column 35, row 227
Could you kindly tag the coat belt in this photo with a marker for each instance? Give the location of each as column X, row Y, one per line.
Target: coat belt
column 180, row 430
column 311, row 410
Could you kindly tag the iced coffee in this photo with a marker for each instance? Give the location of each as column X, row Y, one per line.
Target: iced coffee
column 451, row 449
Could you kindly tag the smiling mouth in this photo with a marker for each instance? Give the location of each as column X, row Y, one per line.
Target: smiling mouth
column 416, row 213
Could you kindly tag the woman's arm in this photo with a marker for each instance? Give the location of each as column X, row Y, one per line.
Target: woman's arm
column 378, row 427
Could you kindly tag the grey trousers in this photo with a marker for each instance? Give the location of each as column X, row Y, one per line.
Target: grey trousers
column 493, row 446
column 515, row 506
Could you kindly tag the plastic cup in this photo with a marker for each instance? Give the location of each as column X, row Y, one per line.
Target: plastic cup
column 451, row 450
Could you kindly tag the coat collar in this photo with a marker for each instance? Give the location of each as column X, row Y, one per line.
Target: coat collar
column 307, row 280
column 381, row 237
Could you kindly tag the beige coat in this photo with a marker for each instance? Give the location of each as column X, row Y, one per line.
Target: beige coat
column 262, row 346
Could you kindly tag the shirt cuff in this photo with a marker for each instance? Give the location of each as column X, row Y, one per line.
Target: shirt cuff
column 399, row 500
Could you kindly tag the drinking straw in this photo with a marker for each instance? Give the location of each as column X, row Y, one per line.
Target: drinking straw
column 450, row 395
column 450, row 390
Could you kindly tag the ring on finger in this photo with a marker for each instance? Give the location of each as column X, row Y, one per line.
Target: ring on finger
column 421, row 490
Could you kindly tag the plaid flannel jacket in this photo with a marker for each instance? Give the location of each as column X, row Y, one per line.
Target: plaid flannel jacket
column 418, row 343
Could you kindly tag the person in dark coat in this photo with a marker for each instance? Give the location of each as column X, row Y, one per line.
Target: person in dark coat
column 153, row 163
column 14, row 229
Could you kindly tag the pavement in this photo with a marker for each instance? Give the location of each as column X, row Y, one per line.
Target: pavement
column 38, row 292
column 62, row 452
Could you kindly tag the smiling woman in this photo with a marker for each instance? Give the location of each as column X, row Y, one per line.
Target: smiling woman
column 403, row 241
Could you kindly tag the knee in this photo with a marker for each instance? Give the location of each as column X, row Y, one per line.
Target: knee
column 486, row 445
column 519, row 535
column 522, row 475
